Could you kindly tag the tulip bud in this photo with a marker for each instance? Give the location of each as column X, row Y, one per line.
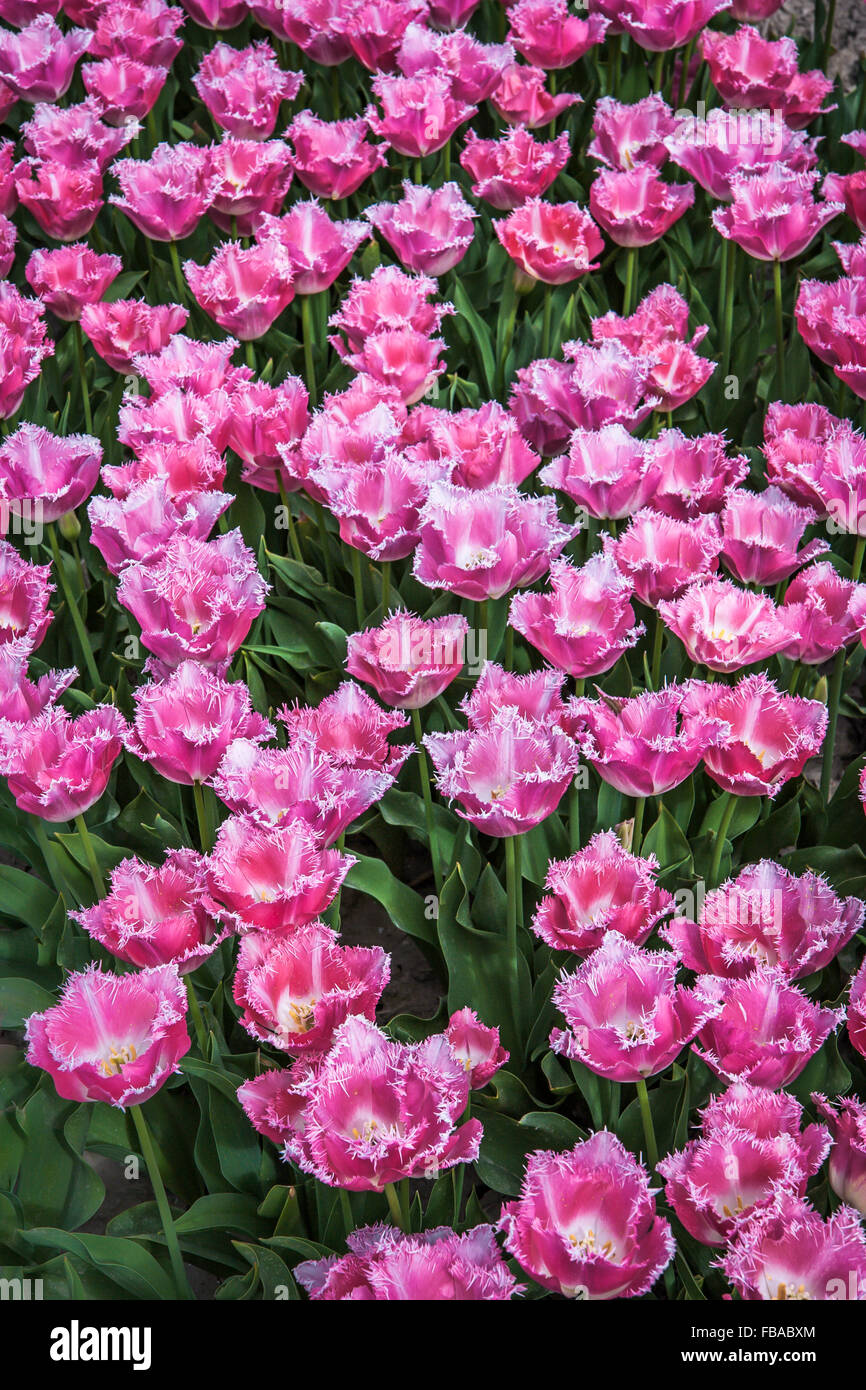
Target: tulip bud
column 820, row 691
column 69, row 526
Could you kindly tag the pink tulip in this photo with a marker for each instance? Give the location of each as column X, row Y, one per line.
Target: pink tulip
column 128, row 327
column 856, row 1018
column 21, row 700
column 123, row 88
column 71, row 277
column 266, row 427
column 8, row 196
column 484, row 445
column 584, row 622
column 420, row 113
column 795, row 442
column 774, row 216
column 751, row 72
column 826, row 470
column 767, row 916
column 474, row 68
column 408, row 661
column 217, row 14
column 377, row 28
column 20, row 13
column 24, row 593
column 8, row 238
column 827, row 315
column 507, row 776
column 317, row 248
column 303, row 783
column 764, row 1114
column 254, row 179
column 658, row 330
column 23, row 346
column 522, row 98
column 724, row 627
column 155, row 916
column 318, row 27
column 186, row 468
column 197, row 600
column 379, row 504
column 50, row 474
column 451, row 14
column 75, row 135
column 850, row 191
column 166, row 195
column 112, row 1038
column 401, row 358
column 648, row 744
column 717, row 1181
column 64, row 201
column 536, row 697
column 243, row 289
column 635, row 206
column 38, row 62
column 626, row 1018
column 354, row 426
column 374, row 1111
column 552, row 242
column 295, row 991
column 389, row 300
column 509, row 171
column 772, row 736
column 717, row 150
column 847, row 1167
column 333, row 158
column 144, row 30
column 585, row 1224
column 626, row 134
column 243, row 89
column 476, row 1046
column 606, row 471
column 184, row 724
column 760, row 534
column 271, row 878
column 824, row 613
column 659, row 25
column 763, row 1029
column 386, row 1266
column 661, row 556
column 601, row 888
column 787, row 1251
column 349, row 728
column 547, row 35
column 174, row 416
column 601, row 384
column 201, row 369
column 56, row 766
column 755, row 9
column 429, row 230
column 481, row 543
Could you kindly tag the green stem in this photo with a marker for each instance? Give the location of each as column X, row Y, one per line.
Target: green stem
column 658, row 638
column 646, row 1116
column 358, row 584
column 307, row 333
column 250, row 355
column 205, row 834
column 290, row 521
column 386, row 587
column 721, row 836
column 828, row 34
column 659, row 74
column 574, row 817
column 483, row 626
column 512, row 887
column 165, row 1216
column 395, row 1208
column 179, row 281
column 319, row 513
column 630, row 279
column 780, row 329
column 418, row 171
column 424, row 768
column 72, row 606
column 730, row 259
column 509, row 648
column 82, row 375
column 90, row 856
column 545, row 323
column 637, row 826
column 54, row 871
column 835, row 692
column 684, row 74
column 346, row 1206
column 197, row 1020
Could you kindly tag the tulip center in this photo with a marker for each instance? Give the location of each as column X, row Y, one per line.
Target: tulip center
column 117, row 1058
column 297, row 1016
column 587, row 1244
column 787, row 1293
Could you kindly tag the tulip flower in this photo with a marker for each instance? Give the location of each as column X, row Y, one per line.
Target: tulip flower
column 8, row 238
column 389, row 300
column 796, row 437
column 522, row 99
column 548, row 36
column 626, row 1018
column 49, row 473
column 166, row 195
column 420, row 113
column 201, row 370
column 826, row 313
column 585, row 1224
column 64, row 201
column 144, row 30
column 474, row 69
column 318, row 27
column 383, row 1265
column 403, row 358
column 127, row 327
column 374, row 1111
column 765, row 1114
column 648, row 744
column 349, row 728
column 724, row 627
column 787, row 1251
column 658, row 330
column 317, row 248
column 824, row 613
column 767, row 916
column 377, row 28
column 75, row 135
column 762, row 1028
column 774, row 216
column 408, row 661
column 635, row 206
column 772, row 736
column 751, row 72
column 661, row 556
column 71, row 277
column 112, row 1038
column 718, row 149
column 552, row 242
column 217, row 14
column 155, row 916
column 584, row 622
column 599, row 385
column 476, row 1046
column 21, row 699
column 123, row 88
column 429, row 230
column 626, row 134
column 271, row 879
column 847, row 1167
column 38, row 62
column 601, row 888
column 255, row 177
column 536, row 697
column 605, row 471
column 856, row 1017
column 516, row 167
column 659, row 25
column 333, row 158
column 378, row 504
column 197, row 600
column 57, row 766
column 507, row 776
column 295, row 991
column 24, row 592
column 484, row 446
column 243, row 289
column 760, row 535
column 184, row 724
column 266, row 428
column 23, row 346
